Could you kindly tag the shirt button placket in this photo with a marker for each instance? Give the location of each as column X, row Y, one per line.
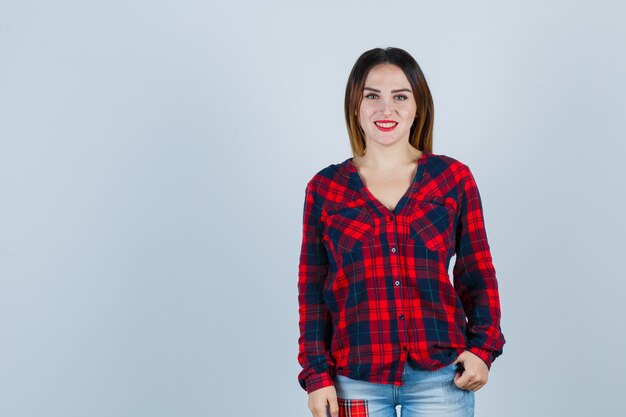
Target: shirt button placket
column 397, row 273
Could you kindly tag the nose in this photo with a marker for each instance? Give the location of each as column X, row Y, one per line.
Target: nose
column 385, row 107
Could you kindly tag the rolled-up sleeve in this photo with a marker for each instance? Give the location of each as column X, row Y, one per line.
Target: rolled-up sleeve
column 315, row 322
column 474, row 275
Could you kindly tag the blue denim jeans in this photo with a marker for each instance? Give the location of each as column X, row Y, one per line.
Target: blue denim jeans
column 424, row 394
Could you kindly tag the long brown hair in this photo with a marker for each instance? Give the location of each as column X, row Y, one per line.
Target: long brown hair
column 421, row 133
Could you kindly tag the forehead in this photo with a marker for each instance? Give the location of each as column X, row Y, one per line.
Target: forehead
column 386, row 74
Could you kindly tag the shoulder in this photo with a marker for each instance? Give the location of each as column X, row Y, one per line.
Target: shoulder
column 336, row 172
column 450, row 169
column 445, row 162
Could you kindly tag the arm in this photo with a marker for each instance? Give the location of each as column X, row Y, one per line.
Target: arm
column 315, row 321
column 475, row 277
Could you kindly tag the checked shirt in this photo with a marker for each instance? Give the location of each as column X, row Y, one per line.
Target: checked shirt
column 373, row 284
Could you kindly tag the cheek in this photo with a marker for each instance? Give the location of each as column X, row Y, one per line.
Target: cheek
column 367, row 110
column 413, row 111
column 364, row 116
column 409, row 112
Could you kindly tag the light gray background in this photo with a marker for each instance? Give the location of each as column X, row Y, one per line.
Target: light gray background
column 153, row 160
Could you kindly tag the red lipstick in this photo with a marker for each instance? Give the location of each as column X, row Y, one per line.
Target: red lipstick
column 388, row 125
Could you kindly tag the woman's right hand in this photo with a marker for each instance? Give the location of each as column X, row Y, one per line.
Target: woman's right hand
column 318, row 400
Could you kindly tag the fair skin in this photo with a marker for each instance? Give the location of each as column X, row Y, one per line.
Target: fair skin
column 387, row 169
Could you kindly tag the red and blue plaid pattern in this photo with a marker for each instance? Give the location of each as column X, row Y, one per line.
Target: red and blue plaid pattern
column 373, row 285
column 352, row 408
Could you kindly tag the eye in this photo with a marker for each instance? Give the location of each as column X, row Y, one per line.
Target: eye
column 402, row 97
column 371, row 95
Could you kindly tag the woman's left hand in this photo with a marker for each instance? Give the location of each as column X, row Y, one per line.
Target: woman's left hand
column 475, row 374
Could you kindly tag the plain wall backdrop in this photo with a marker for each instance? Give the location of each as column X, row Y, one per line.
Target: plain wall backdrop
column 153, row 162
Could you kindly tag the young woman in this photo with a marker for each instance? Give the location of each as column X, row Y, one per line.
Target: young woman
column 381, row 323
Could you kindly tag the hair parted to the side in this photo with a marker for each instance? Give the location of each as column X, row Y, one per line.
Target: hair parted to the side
column 421, row 133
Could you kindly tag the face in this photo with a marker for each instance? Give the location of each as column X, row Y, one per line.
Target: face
column 388, row 107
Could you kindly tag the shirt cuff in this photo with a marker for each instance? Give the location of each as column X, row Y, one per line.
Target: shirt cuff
column 317, row 381
column 483, row 354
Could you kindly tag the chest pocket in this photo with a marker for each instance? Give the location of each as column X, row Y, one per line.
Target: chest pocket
column 432, row 222
column 350, row 229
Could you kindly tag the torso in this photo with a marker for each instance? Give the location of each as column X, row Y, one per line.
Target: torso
column 388, row 188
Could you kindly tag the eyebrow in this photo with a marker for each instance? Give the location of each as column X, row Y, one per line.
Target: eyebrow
column 393, row 91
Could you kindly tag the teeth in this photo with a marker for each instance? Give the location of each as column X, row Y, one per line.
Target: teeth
column 392, row 124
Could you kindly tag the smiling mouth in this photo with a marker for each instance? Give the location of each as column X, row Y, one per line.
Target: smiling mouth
column 386, row 126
